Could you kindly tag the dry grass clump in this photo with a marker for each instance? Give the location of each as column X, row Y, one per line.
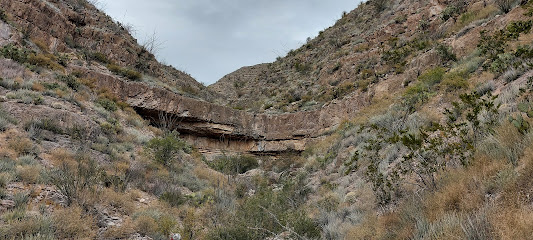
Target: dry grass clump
column 146, row 225
column 156, row 222
column 512, row 223
column 460, row 195
column 72, row 223
column 19, row 224
column 369, row 229
column 213, row 177
column 61, row 155
column 120, row 201
column 125, row 230
column 29, row 173
column 22, row 145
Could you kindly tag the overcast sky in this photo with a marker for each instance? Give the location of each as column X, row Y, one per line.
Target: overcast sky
column 211, row 38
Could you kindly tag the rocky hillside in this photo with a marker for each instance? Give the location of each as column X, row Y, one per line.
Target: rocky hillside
column 378, row 41
column 86, row 35
column 404, row 120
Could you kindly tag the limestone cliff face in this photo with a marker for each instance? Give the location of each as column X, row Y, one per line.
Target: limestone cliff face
column 206, row 123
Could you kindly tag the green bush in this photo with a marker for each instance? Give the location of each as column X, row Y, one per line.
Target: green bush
column 165, row 149
column 455, row 81
column 10, row 51
column 71, row 81
column 505, row 5
column 270, row 212
column 302, row 68
column 97, row 56
column 399, row 51
column 125, row 72
column 454, row 10
column 107, row 104
column 445, row 53
column 44, row 60
column 516, row 28
column 379, row 5
column 419, row 92
column 432, row 76
column 6, row 119
column 492, row 45
column 27, row 96
column 48, row 124
column 174, row 198
column 3, row 15
column 234, row 164
column 26, row 226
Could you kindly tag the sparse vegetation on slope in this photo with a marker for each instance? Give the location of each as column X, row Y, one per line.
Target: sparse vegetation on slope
column 441, row 148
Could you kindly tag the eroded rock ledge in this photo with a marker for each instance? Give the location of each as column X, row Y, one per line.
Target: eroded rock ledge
column 214, row 127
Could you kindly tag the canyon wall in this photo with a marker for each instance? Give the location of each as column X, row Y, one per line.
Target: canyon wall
column 210, row 126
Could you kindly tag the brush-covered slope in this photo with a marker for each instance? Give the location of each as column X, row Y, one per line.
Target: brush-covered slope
column 85, row 34
column 425, row 131
column 379, row 40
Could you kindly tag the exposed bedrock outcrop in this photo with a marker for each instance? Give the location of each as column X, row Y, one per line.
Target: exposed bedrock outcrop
column 210, row 126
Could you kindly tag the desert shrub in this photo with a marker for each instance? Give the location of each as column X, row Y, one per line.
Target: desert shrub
column 154, row 223
column 164, row 150
column 5, row 120
column 123, row 231
column 107, row 104
column 379, row 5
column 492, row 45
column 454, row 10
column 49, row 124
column 512, row 74
column 185, row 177
column 166, row 224
column 301, row 67
column 125, row 72
column 27, row 227
column 505, row 5
column 7, row 165
column 10, row 51
column 455, row 81
column 3, row 16
column 44, row 60
column 27, row 96
column 174, row 198
column 118, row 200
column 400, row 50
column 21, row 199
column 270, row 212
column 71, row 223
column 97, row 56
column 445, row 53
column 233, row 164
column 72, row 177
column 146, row 225
column 22, row 146
column 29, row 173
column 70, row 80
column 432, row 76
column 111, row 128
column 515, row 28
column 419, row 92
column 426, row 151
column 16, row 83
column 478, row 226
